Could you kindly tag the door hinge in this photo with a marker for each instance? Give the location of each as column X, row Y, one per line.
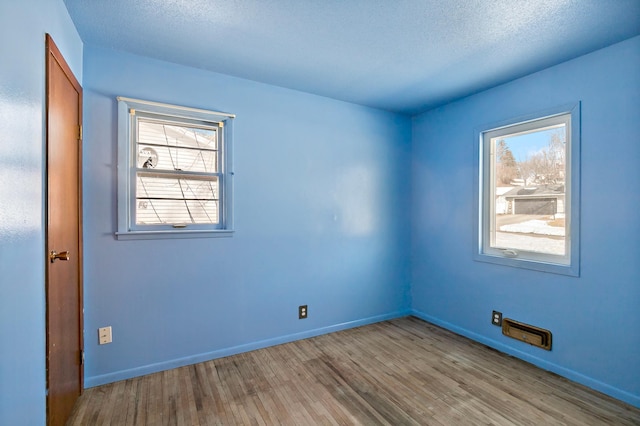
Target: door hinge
column 80, row 132
column 81, row 357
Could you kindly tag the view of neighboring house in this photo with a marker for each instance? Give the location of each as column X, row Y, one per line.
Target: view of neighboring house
column 536, row 200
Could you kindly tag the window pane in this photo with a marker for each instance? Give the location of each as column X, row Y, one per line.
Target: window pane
column 172, row 147
column 175, row 200
column 529, row 170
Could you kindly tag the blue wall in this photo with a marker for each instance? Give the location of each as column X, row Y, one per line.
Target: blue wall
column 323, row 217
column 595, row 319
column 23, row 26
column 321, row 212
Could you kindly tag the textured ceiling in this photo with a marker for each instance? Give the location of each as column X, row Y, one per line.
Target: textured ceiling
column 400, row 55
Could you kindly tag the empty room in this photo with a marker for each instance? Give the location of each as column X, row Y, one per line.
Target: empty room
column 319, row 212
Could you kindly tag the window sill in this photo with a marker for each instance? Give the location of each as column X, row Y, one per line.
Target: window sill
column 173, row 234
column 553, row 268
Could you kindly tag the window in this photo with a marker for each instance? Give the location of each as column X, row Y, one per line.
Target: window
column 528, row 192
column 174, row 171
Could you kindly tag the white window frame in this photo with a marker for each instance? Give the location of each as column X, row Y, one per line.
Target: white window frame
column 128, row 110
column 484, row 221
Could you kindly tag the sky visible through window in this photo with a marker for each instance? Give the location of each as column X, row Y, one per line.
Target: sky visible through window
column 523, row 146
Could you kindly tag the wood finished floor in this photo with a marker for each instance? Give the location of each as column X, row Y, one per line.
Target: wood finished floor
column 399, row 372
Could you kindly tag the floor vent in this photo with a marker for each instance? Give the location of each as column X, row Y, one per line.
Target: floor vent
column 527, row 333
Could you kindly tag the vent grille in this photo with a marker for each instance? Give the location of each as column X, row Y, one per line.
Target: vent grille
column 527, row 333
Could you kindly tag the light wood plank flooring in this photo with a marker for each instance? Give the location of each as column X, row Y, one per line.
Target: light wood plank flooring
column 399, row 372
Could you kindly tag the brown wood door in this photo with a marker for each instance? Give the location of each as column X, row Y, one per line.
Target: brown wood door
column 63, row 234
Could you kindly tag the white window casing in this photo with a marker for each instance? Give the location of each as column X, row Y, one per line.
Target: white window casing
column 529, row 217
column 175, row 176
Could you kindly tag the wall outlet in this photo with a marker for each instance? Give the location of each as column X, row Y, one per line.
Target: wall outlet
column 104, row 335
column 496, row 318
column 302, row 311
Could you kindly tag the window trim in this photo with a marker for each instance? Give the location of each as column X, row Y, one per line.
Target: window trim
column 127, row 229
column 482, row 211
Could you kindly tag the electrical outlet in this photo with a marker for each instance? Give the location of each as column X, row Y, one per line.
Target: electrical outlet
column 104, row 335
column 496, row 318
column 302, row 311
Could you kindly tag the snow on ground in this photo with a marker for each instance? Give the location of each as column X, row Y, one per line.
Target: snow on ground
column 538, row 227
column 533, row 235
column 529, row 242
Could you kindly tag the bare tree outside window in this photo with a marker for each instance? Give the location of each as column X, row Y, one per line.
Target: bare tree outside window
column 547, row 165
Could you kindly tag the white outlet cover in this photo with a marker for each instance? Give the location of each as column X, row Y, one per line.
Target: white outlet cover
column 105, row 335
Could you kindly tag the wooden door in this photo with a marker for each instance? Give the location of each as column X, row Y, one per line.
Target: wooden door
column 63, row 238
